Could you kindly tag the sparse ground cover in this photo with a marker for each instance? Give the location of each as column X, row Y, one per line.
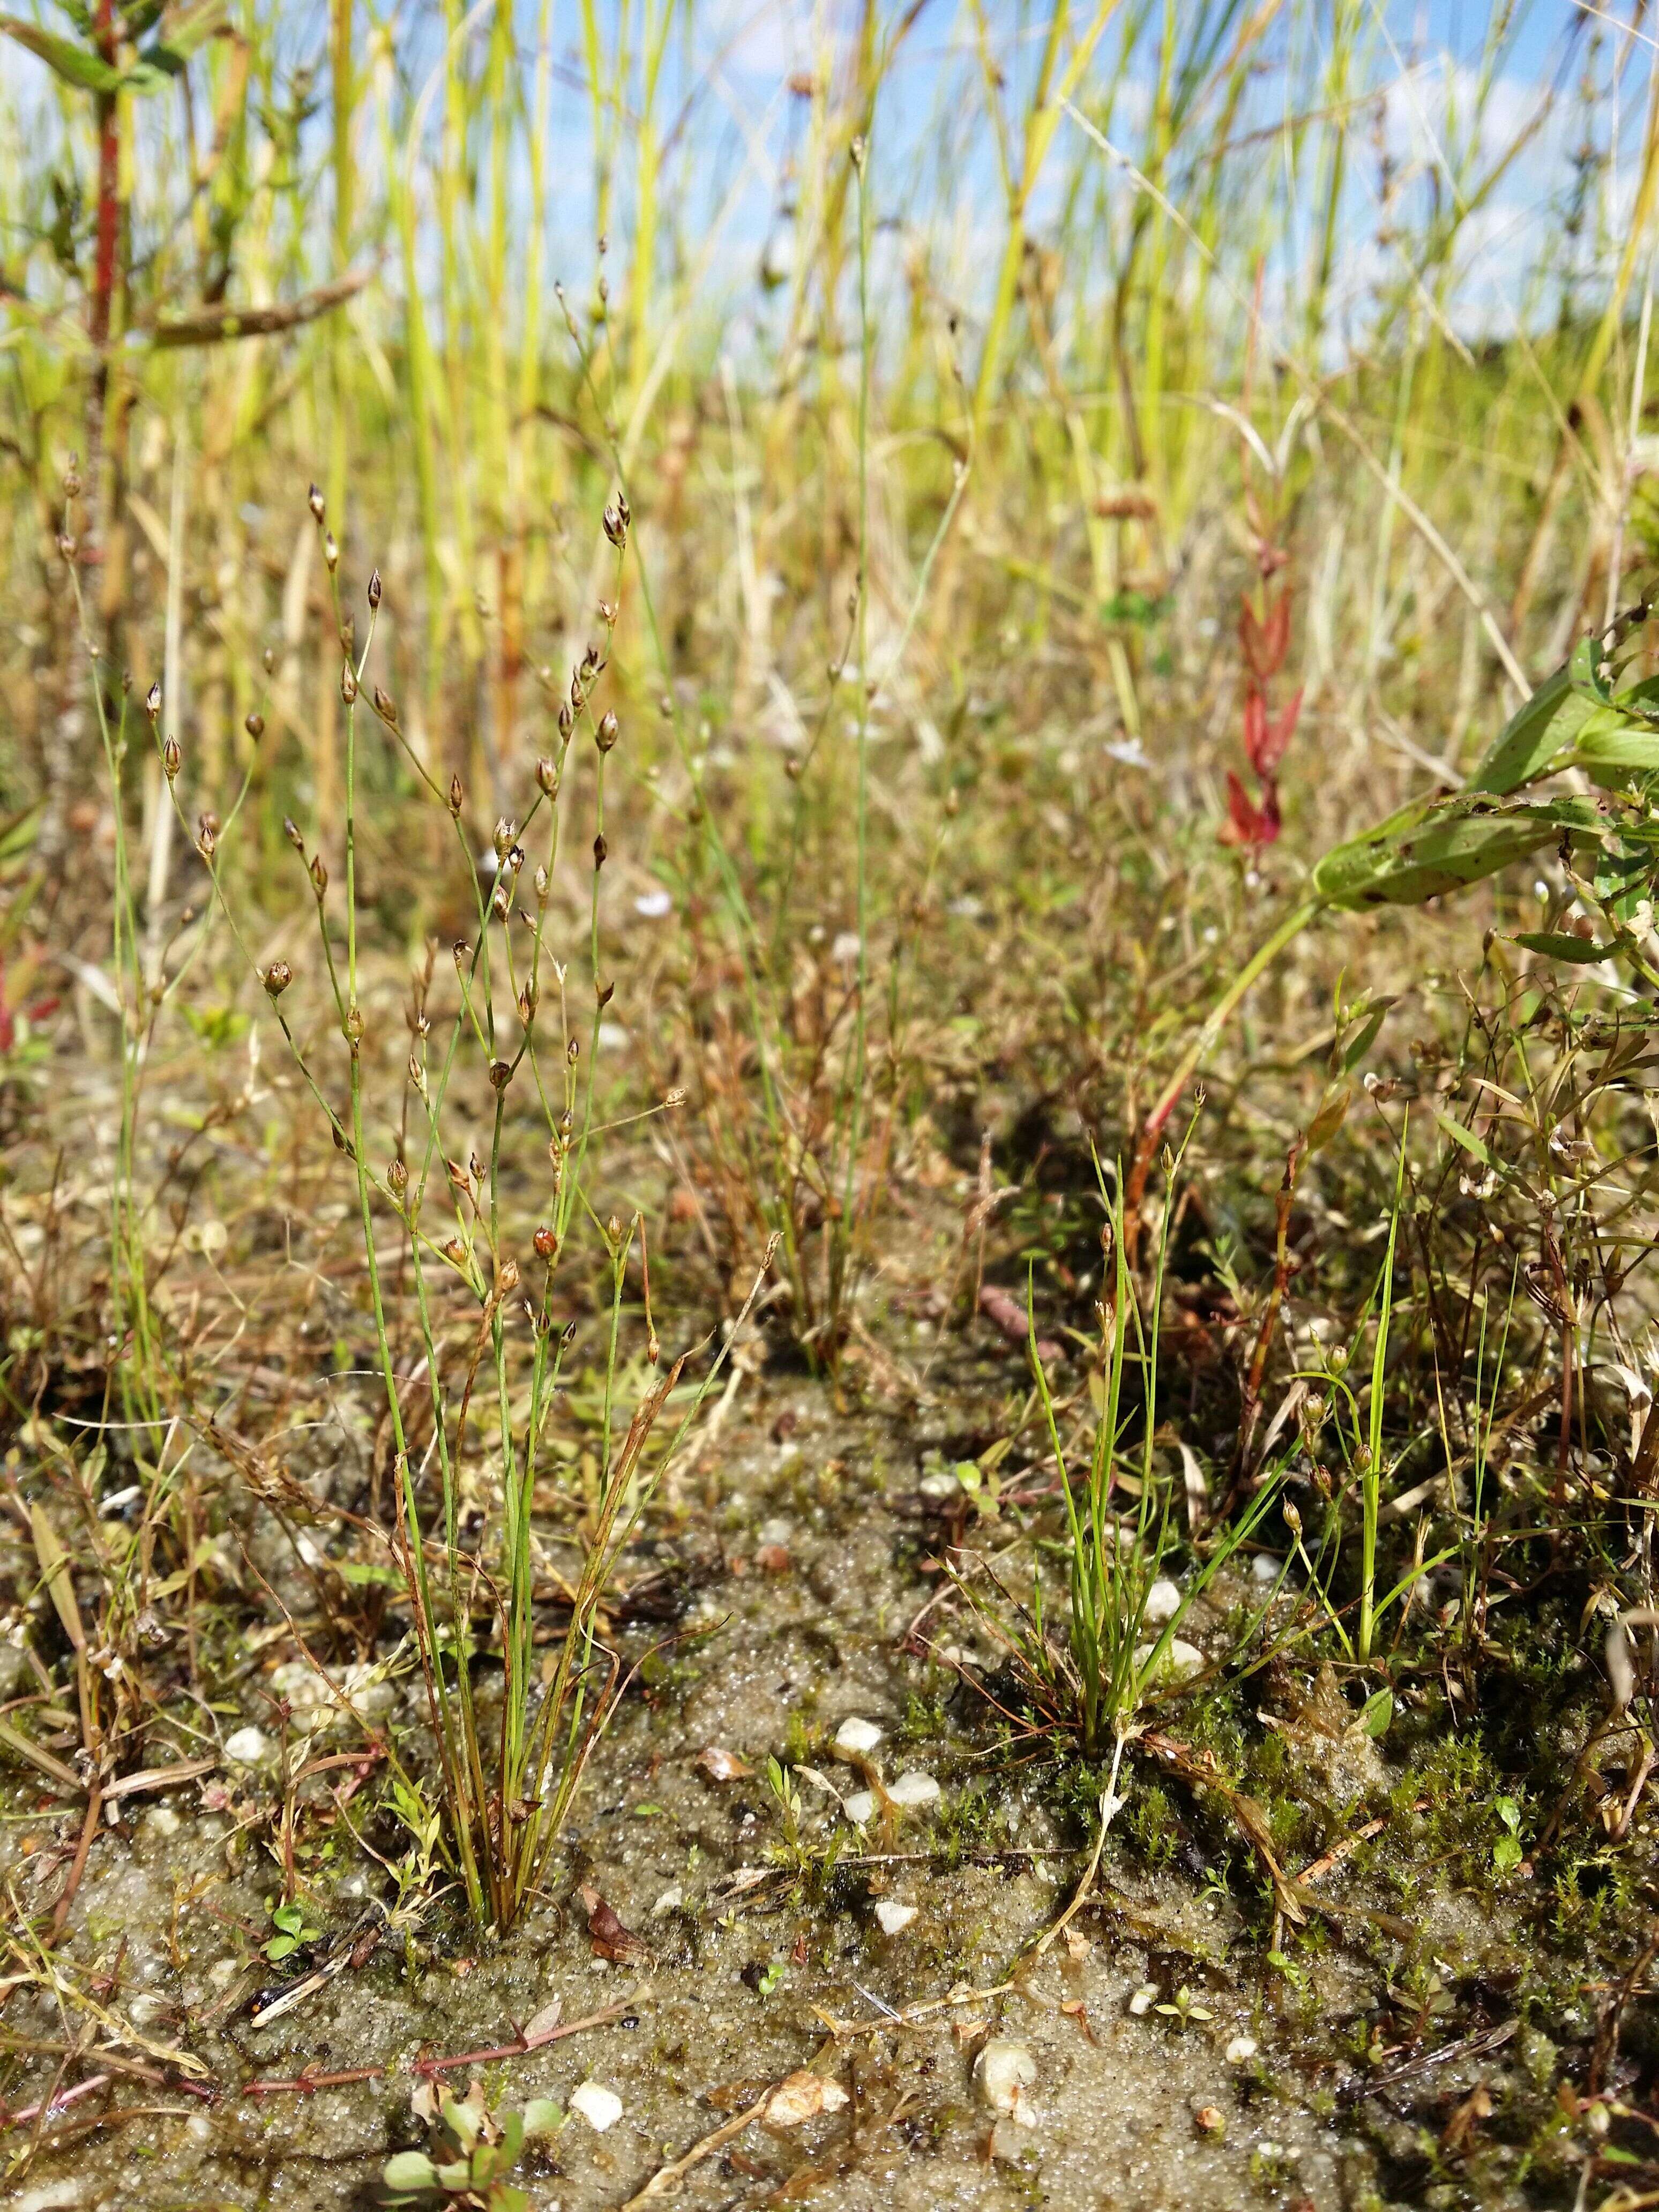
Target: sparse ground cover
column 828, row 1176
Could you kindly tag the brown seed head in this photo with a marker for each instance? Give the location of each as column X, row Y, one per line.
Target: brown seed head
column 171, row 759
column 507, row 1279
column 543, row 884
column 607, row 732
column 500, row 1074
column 153, row 701
column 319, row 875
column 462, row 951
column 349, row 683
column 547, row 776
column 456, row 796
column 600, row 848
column 72, row 478
column 353, row 1024
column 456, row 1250
column 374, row 589
column 314, row 499
column 566, row 721
column 291, row 831
column 386, row 707
column 277, row 977
column 254, row 724
column 547, row 1244
column 330, row 552
column 397, row 1176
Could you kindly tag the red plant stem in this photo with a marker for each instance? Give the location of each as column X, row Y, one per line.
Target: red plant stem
column 55, row 2103
column 518, row 2049
column 306, row 2081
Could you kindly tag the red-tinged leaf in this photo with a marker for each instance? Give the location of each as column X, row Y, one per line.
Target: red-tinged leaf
column 1247, row 824
column 1276, row 737
column 1277, row 633
column 1255, row 731
column 1253, row 640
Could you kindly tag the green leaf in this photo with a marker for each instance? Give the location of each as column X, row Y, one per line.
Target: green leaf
column 410, row 2169
column 543, row 2117
column 1613, row 745
column 1467, row 1138
column 78, row 65
column 1376, row 1712
column 1434, row 847
column 1367, row 1036
column 1507, row 1854
column 184, row 32
column 1562, row 945
column 1533, row 735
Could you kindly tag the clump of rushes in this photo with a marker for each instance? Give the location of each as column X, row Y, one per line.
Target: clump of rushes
column 506, row 1788
column 1093, row 1673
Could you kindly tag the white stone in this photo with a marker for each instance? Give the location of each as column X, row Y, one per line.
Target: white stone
column 1143, row 2000
column 857, row 1737
column 250, row 1747
column 1179, row 1661
column 1265, row 1567
column 1004, row 2071
column 860, row 1808
column 600, row 2107
column 670, row 1900
column 1162, row 1602
column 893, row 1916
column 1241, row 2050
column 941, row 1484
column 915, row 1788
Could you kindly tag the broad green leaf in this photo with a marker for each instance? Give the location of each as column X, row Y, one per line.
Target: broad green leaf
column 1507, row 1854
column 1584, row 668
column 1613, row 745
column 79, row 65
column 542, row 2116
column 1533, row 735
column 1562, row 945
column 1426, row 851
column 410, row 2169
column 1376, row 1712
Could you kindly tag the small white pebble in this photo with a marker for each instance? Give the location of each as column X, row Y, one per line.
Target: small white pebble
column 1162, row 1602
column 653, row 905
column 250, row 1747
column 1005, row 2070
column 893, row 1916
column 941, row 1484
column 860, row 1808
column 162, row 1821
column 915, row 1788
column 1179, row 1661
column 1143, row 2000
column 670, row 1900
column 775, row 1531
column 1265, row 1567
column 856, row 1737
column 601, row 2108
column 1241, row 2050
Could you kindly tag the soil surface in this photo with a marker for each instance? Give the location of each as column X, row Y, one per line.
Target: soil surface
column 1172, row 2062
